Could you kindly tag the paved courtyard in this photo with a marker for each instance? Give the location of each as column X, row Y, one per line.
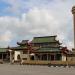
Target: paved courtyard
column 7, row 69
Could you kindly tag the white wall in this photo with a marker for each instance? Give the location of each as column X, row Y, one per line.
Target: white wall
column 16, row 53
column 24, row 56
column 63, row 58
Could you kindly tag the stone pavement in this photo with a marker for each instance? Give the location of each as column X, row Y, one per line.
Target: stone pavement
column 8, row 69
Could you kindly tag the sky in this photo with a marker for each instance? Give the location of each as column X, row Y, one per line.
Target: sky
column 25, row 19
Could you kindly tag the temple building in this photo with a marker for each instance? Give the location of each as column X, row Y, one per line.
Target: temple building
column 48, row 48
column 45, row 48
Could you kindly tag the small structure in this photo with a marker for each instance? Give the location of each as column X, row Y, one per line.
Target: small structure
column 4, row 54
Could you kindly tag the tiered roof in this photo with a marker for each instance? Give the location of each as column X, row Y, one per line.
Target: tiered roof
column 23, row 42
column 24, row 45
column 48, row 50
column 45, row 39
column 18, row 48
column 55, row 47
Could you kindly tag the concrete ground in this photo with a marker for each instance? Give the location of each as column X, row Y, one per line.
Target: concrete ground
column 7, row 69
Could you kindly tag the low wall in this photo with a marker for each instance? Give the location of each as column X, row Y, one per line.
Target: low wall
column 37, row 62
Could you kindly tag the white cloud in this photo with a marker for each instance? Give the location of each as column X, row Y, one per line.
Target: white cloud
column 43, row 18
column 19, row 6
column 6, row 37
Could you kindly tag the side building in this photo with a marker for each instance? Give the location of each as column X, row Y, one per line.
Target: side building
column 4, row 54
column 20, row 52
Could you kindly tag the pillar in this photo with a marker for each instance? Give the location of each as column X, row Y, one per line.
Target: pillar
column 40, row 56
column 54, row 57
column 10, row 56
column 2, row 56
column 47, row 56
column 50, row 57
column 73, row 12
column 28, row 57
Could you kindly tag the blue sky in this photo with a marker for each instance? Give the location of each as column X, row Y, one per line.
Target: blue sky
column 25, row 19
column 3, row 6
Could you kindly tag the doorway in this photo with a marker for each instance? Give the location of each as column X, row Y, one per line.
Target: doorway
column 52, row 57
